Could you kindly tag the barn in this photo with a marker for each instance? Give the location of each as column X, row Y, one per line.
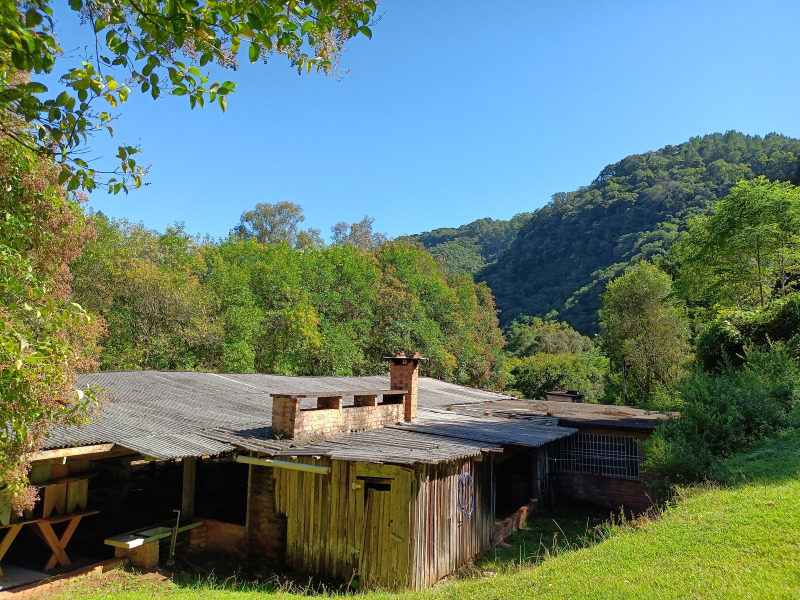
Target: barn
column 391, row 481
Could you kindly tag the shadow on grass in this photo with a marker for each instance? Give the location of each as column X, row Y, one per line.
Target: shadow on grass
column 565, row 529
column 546, row 534
column 219, row 571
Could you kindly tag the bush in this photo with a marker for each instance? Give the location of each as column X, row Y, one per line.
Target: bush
column 534, row 376
column 724, row 341
column 725, row 413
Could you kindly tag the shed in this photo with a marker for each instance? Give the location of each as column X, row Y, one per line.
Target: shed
column 396, row 481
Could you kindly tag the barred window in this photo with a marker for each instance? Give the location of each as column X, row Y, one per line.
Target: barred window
column 595, row 454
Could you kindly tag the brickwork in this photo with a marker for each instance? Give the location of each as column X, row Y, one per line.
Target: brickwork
column 226, row 537
column 284, row 414
column 197, row 539
column 141, row 557
column 266, row 529
column 513, row 523
column 405, row 376
column 329, row 402
column 368, row 400
column 330, row 418
column 634, row 497
column 51, row 584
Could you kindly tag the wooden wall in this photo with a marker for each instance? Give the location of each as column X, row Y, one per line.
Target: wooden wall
column 386, row 526
column 340, row 525
column 444, row 537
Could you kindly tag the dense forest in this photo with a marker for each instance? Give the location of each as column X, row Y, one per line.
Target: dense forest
column 563, row 255
column 470, row 248
column 271, row 299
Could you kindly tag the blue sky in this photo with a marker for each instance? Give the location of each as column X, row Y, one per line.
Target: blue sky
column 458, row 110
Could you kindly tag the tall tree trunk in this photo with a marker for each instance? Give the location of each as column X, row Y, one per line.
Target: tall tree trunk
column 760, row 279
column 624, row 382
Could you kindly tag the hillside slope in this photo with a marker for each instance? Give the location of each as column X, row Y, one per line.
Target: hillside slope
column 471, row 247
column 563, row 256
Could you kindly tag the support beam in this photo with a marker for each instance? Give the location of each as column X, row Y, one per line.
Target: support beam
column 64, row 452
column 282, row 464
column 189, row 475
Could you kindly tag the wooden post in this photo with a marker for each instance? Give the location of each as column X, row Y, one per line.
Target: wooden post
column 189, row 472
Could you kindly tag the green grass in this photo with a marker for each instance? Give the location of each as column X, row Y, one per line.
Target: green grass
column 775, row 459
column 565, row 529
column 731, row 543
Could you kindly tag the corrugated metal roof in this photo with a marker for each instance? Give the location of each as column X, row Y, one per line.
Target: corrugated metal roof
column 391, row 445
column 575, row 414
column 178, row 414
column 487, row 430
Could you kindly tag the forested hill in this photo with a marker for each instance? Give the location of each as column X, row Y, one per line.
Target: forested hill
column 563, row 256
column 470, row 248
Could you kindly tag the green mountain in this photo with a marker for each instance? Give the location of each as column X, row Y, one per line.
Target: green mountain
column 470, row 248
column 562, row 257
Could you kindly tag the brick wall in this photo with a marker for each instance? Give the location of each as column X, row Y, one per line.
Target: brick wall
column 266, row 529
column 324, row 422
column 406, row 377
column 330, row 418
column 219, row 535
column 634, row 497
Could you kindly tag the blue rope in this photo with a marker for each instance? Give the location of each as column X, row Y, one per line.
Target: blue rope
column 466, row 494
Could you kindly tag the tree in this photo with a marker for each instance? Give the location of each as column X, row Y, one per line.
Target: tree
column 535, row 375
column 147, row 286
column 646, row 330
column 531, row 335
column 358, row 234
column 44, row 338
column 153, row 47
column 277, row 223
column 748, row 251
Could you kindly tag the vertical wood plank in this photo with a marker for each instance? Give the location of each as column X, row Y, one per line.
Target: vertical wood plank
column 187, row 492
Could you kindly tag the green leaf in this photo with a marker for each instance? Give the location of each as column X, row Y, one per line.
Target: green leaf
column 254, row 52
column 223, row 103
column 366, row 31
column 20, row 60
column 35, row 87
column 32, row 18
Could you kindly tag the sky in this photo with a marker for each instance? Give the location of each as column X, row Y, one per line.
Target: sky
column 458, row 110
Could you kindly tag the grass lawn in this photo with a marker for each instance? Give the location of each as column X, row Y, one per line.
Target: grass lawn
column 739, row 542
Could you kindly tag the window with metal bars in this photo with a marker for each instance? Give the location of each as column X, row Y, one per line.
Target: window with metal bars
column 596, row 454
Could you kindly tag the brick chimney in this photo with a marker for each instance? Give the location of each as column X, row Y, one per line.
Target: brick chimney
column 404, row 375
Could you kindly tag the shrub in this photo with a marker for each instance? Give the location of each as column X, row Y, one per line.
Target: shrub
column 725, row 339
column 725, row 413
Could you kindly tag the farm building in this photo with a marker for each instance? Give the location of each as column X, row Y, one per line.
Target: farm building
column 394, row 485
column 599, row 464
